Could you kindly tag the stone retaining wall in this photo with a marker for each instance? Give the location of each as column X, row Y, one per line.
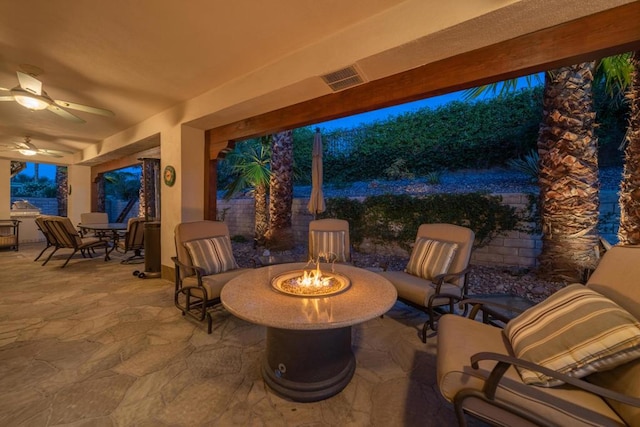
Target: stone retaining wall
column 515, row 249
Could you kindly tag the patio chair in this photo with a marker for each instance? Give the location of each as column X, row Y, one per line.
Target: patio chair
column 66, row 236
column 93, row 218
column 133, row 239
column 204, row 263
column 329, row 240
column 51, row 242
column 436, row 275
column 571, row 360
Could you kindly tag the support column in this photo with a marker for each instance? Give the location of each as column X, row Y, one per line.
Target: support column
column 150, row 189
column 5, row 183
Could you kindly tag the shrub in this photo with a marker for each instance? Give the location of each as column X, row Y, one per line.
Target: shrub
column 434, row 177
column 390, row 219
column 398, row 170
column 529, row 165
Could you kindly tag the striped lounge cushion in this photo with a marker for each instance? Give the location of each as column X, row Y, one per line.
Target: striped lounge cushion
column 328, row 245
column 213, row 254
column 575, row 331
column 430, row 258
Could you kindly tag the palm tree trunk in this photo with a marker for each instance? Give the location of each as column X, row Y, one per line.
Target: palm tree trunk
column 280, row 235
column 101, row 193
column 62, row 191
column 569, row 182
column 629, row 231
column 261, row 213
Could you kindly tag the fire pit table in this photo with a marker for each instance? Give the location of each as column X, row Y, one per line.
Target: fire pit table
column 308, row 344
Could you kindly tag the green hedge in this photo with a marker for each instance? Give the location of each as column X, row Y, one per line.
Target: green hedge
column 459, row 135
column 395, row 219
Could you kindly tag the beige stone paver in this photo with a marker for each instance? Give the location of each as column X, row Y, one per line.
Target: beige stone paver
column 93, row 345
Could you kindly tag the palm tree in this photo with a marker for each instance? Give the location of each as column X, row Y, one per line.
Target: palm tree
column 569, row 182
column 250, row 168
column 62, row 189
column 629, row 231
column 123, row 185
column 281, row 191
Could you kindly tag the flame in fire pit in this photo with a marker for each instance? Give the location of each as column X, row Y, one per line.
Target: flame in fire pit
column 310, row 283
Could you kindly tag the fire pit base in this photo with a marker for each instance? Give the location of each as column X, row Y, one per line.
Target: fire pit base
column 308, row 365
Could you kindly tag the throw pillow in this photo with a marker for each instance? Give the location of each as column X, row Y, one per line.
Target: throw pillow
column 430, row 258
column 575, row 331
column 328, row 245
column 213, row 254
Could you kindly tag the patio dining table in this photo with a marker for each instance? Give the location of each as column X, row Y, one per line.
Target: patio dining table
column 108, row 230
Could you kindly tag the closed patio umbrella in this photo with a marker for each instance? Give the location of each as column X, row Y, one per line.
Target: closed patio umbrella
column 316, row 202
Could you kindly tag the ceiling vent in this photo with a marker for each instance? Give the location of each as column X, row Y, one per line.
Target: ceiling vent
column 343, row 79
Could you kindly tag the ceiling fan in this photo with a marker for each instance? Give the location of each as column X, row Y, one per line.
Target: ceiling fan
column 30, row 95
column 27, row 148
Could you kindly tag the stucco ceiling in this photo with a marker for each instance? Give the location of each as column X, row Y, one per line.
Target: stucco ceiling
column 209, row 62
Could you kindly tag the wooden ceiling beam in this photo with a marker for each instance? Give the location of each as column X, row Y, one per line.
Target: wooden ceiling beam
column 589, row 38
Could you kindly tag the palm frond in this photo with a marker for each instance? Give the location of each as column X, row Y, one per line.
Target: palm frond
column 615, row 72
column 250, row 166
column 529, row 164
column 500, row 88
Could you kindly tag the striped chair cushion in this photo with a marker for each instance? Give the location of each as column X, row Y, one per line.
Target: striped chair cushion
column 328, row 245
column 430, row 258
column 213, row 254
column 575, row 331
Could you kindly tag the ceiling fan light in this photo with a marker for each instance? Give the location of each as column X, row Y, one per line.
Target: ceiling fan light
column 32, row 102
column 26, row 152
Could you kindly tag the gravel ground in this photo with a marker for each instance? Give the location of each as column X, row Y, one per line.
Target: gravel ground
column 496, row 180
column 482, row 279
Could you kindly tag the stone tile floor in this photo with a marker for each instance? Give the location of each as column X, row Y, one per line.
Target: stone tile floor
column 93, row 345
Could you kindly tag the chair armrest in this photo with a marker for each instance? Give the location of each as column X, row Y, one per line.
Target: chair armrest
column 504, row 362
column 477, row 305
column 440, row 278
column 198, row 270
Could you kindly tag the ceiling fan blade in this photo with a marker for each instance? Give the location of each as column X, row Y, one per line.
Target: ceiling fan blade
column 8, row 147
column 29, row 83
column 5, row 94
column 64, row 113
column 85, row 108
column 26, row 145
column 52, row 153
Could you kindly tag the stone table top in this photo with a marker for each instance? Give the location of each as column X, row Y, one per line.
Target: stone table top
column 251, row 297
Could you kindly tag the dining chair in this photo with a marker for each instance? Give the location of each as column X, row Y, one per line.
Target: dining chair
column 93, row 218
column 133, row 239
